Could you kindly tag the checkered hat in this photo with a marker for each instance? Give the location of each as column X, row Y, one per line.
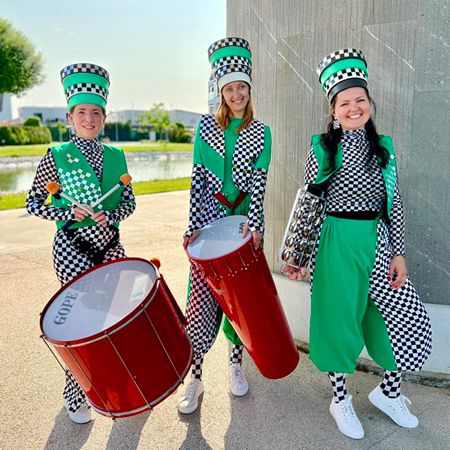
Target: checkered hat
column 341, row 70
column 231, row 60
column 85, row 83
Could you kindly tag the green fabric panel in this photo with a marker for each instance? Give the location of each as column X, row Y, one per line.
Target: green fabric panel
column 230, row 333
column 323, row 160
column 230, row 51
column 229, row 189
column 376, row 337
column 389, row 172
column 114, row 165
column 263, row 160
column 86, row 98
column 341, row 65
column 208, row 157
column 341, row 319
column 92, row 78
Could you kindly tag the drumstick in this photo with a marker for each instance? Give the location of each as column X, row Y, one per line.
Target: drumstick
column 55, row 189
column 124, row 179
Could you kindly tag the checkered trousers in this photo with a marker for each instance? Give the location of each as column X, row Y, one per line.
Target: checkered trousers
column 407, row 321
column 203, row 314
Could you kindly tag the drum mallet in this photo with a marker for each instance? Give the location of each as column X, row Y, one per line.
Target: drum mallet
column 124, row 179
column 55, row 189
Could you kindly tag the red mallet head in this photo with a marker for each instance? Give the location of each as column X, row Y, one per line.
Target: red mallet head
column 125, row 178
column 53, row 187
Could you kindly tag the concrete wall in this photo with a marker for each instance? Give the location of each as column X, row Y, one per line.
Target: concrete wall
column 407, row 46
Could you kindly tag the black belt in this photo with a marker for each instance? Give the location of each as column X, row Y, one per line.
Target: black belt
column 355, row 215
column 96, row 255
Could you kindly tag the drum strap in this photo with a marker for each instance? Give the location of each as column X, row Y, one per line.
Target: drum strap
column 222, row 199
column 86, row 248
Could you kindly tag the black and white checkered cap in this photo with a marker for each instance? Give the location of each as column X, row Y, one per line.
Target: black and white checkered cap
column 338, row 55
column 343, row 75
column 231, row 60
column 227, row 42
column 229, row 68
column 84, row 68
column 81, row 88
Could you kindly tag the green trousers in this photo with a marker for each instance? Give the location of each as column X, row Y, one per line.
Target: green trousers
column 343, row 316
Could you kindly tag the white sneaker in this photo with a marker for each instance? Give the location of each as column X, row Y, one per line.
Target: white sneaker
column 346, row 418
column 238, row 382
column 395, row 408
column 81, row 415
column 188, row 402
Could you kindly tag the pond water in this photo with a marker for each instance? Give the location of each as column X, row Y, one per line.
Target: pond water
column 16, row 174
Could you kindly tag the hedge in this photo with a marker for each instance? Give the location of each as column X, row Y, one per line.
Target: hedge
column 21, row 135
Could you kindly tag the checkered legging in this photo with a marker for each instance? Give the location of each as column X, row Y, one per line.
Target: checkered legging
column 203, row 316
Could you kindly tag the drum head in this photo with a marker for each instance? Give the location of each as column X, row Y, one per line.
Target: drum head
column 97, row 300
column 219, row 238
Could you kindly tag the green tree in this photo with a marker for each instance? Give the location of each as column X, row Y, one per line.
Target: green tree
column 20, row 64
column 157, row 118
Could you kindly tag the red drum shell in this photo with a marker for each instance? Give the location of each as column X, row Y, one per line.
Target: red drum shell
column 243, row 286
column 135, row 364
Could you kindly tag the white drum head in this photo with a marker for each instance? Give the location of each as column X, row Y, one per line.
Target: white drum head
column 98, row 300
column 219, row 238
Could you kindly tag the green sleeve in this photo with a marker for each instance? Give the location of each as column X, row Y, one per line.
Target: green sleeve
column 197, row 158
column 263, row 160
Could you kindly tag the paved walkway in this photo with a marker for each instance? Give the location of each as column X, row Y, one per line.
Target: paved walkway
column 291, row 413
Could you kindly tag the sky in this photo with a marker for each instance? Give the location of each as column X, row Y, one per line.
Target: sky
column 154, row 50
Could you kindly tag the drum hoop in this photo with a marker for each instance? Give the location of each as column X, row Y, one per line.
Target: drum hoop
column 112, row 329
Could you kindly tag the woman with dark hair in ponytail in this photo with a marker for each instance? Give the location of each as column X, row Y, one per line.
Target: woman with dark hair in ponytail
column 361, row 294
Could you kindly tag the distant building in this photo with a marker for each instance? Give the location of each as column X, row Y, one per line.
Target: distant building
column 53, row 114
column 188, row 118
column 5, row 108
column 46, row 113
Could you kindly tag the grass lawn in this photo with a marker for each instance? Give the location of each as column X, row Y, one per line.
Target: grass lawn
column 36, row 150
column 13, row 201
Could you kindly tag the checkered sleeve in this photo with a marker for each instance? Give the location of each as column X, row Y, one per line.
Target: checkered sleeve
column 198, row 186
column 255, row 213
column 126, row 206
column 311, row 167
column 37, row 196
column 397, row 225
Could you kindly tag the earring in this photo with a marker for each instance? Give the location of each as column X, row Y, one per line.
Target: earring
column 336, row 124
column 101, row 135
column 72, row 131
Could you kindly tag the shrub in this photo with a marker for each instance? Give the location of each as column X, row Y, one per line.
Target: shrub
column 20, row 135
column 33, row 121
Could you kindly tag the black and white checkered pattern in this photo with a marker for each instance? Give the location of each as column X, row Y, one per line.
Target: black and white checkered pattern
column 211, row 133
column 236, row 354
column 390, row 384
column 354, row 188
column 228, row 42
column 231, row 61
column 338, row 386
column 255, row 216
column 82, row 88
column 249, row 146
column 339, row 55
column 197, row 368
column 231, row 68
column 343, row 75
column 84, row 68
column 74, row 397
column 407, row 322
column 202, row 315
